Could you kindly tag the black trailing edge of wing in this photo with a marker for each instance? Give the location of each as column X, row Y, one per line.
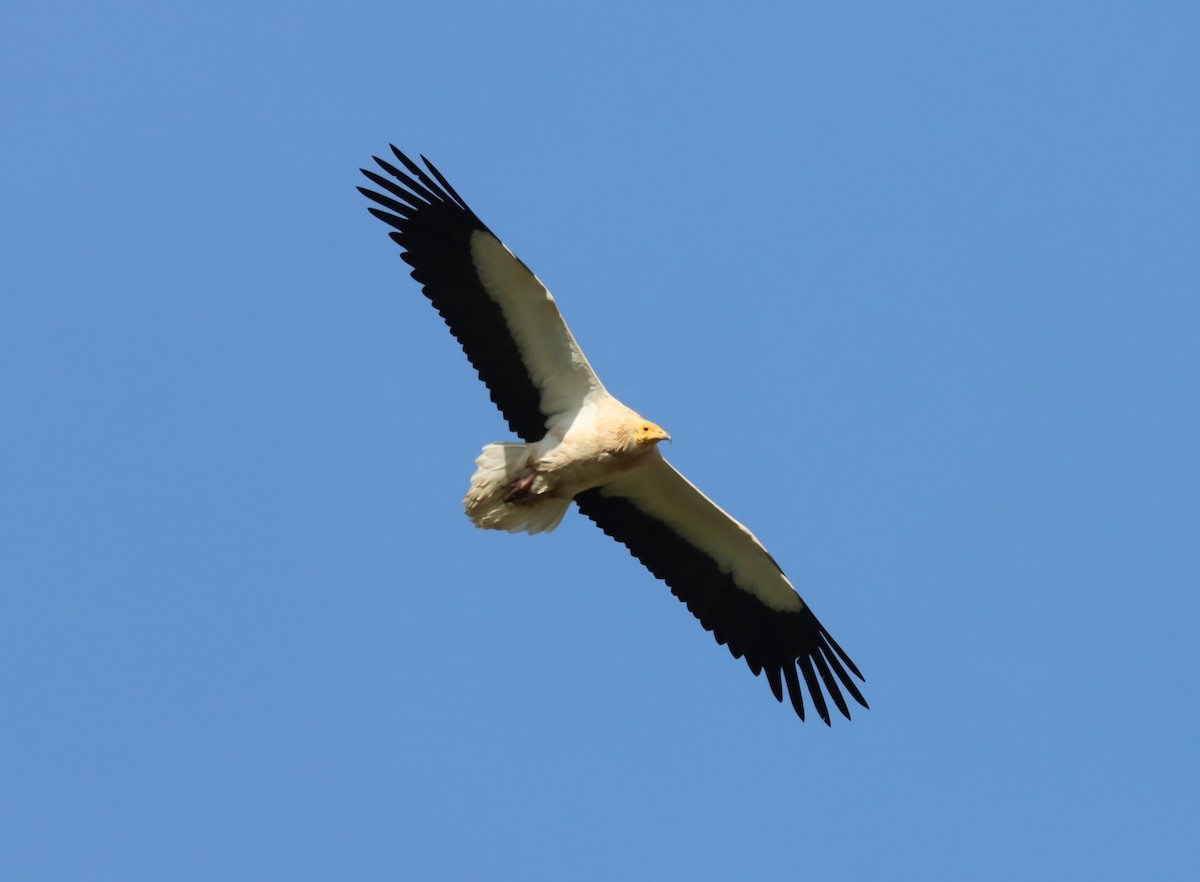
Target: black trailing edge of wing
column 777, row 644
column 433, row 227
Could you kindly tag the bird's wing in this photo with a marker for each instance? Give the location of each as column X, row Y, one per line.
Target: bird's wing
column 727, row 579
column 504, row 317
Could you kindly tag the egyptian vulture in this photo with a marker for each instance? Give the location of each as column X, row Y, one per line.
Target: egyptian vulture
column 579, row 443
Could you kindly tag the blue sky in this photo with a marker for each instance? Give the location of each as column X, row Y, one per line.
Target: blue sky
column 914, row 287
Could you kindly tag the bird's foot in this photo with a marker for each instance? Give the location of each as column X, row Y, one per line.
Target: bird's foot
column 520, row 488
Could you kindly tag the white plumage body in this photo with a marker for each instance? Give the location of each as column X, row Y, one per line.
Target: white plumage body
column 528, row 487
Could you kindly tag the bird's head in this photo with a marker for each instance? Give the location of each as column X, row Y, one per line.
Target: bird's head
column 648, row 433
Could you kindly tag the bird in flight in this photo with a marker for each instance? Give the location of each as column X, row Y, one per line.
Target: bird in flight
column 579, row 443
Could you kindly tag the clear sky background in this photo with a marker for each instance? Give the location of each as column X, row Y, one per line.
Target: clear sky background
column 915, row 287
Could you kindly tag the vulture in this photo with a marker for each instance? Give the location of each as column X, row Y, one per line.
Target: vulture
column 580, row 444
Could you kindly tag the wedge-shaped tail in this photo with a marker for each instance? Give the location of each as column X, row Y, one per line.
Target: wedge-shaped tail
column 498, row 501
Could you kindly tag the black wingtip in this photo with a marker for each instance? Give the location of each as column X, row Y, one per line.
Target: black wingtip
column 795, row 693
column 774, row 678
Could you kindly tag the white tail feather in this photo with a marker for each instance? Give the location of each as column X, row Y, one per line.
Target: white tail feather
column 499, row 465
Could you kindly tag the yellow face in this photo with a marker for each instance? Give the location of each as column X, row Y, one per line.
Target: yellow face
column 649, row 433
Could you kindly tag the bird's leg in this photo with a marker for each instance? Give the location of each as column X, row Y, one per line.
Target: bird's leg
column 520, row 488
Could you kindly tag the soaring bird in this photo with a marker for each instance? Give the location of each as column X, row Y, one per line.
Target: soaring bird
column 579, row 443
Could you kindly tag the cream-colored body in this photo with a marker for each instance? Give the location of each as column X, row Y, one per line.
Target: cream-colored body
column 528, row 487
